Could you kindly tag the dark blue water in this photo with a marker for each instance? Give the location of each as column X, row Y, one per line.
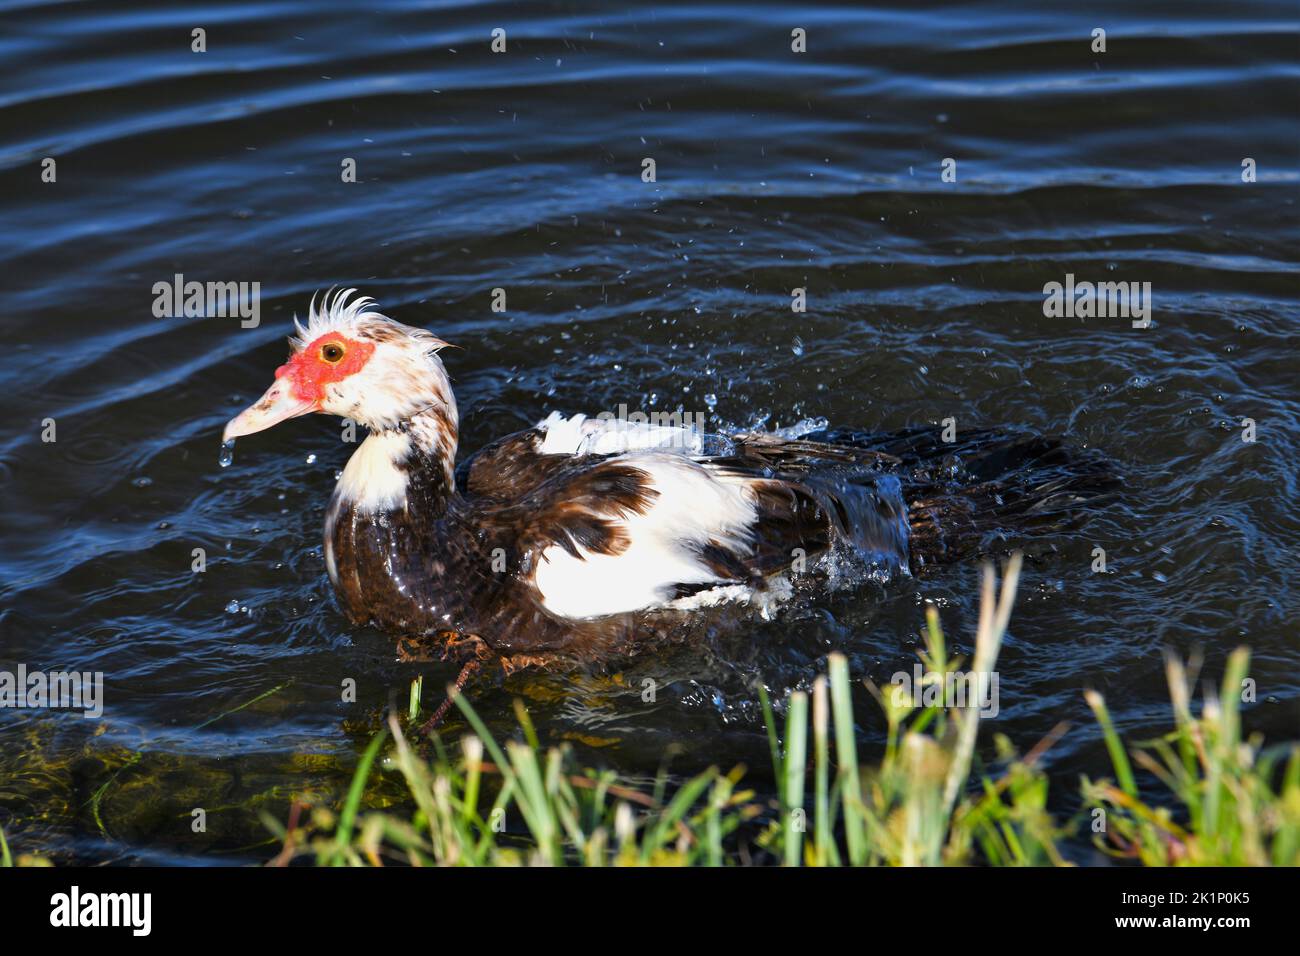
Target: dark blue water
column 523, row 171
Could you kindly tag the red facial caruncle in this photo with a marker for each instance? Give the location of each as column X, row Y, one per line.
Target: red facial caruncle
column 330, row 358
column 300, row 383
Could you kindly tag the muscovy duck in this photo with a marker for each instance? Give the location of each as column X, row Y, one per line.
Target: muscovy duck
column 565, row 536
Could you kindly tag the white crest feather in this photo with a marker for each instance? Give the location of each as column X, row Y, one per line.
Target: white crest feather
column 335, row 312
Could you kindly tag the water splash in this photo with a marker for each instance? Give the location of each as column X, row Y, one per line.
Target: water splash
column 227, row 453
column 805, row 426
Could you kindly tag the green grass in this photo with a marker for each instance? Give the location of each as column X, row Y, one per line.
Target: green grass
column 1235, row 802
column 1228, row 802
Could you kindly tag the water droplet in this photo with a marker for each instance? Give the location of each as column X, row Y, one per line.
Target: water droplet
column 232, row 607
column 142, row 482
column 797, row 346
column 227, row 453
column 311, row 459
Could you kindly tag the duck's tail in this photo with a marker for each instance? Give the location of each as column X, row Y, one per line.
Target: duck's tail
column 988, row 489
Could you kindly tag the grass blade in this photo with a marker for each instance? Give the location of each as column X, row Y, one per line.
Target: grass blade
column 846, row 753
column 796, row 754
column 348, row 817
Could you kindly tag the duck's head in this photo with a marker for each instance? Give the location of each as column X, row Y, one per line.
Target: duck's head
column 352, row 361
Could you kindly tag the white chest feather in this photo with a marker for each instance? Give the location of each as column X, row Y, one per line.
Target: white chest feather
column 373, row 479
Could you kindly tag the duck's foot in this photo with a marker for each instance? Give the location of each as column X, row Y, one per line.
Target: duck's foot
column 472, row 666
column 458, row 646
column 441, row 646
column 519, row 662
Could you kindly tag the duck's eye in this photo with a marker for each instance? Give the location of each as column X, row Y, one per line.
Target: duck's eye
column 331, row 352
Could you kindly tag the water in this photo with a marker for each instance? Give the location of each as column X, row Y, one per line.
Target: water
column 522, row 171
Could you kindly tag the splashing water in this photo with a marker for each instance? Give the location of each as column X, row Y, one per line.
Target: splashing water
column 227, row 453
column 805, row 426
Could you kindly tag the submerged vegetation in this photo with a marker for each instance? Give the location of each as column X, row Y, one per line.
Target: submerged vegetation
column 1228, row 801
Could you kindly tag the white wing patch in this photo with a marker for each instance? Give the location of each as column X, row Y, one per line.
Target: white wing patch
column 580, row 435
column 695, row 505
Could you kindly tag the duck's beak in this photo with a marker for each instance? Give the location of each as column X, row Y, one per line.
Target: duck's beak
column 277, row 405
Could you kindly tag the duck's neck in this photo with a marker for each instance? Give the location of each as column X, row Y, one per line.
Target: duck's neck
column 409, row 467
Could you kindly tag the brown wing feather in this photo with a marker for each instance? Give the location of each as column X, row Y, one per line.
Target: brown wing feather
column 510, row 467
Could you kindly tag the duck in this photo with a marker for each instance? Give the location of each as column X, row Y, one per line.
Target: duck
column 578, row 538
